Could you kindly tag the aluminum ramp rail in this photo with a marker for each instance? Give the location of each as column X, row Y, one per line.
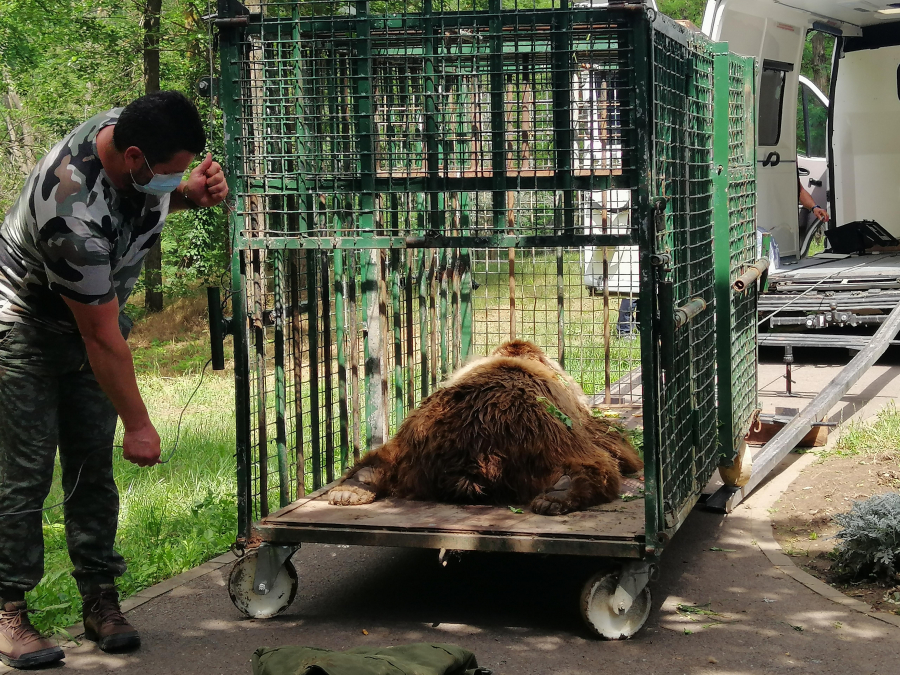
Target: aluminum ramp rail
column 726, row 498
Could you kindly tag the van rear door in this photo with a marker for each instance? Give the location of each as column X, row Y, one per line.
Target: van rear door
column 775, row 35
column 866, row 136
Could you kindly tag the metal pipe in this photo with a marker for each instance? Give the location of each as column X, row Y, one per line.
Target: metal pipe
column 327, row 363
column 315, row 385
column 665, row 297
column 788, row 363
column 687, row 312
column 749, row 277
column 216, row 328
column 786, row 440
column 284, row 483
column 297, row 356
column 340, row 285
column 232, row 22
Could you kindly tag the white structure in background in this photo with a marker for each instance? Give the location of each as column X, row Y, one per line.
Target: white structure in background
column 863, row 141
column 603, row 211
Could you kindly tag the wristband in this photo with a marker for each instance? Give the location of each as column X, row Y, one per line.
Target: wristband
column 190, row 202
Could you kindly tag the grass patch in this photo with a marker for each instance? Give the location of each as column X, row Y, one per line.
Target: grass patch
column 538, row 310
column 817, row 245
column 870, row 438
column 174, row 516
column 175, row 341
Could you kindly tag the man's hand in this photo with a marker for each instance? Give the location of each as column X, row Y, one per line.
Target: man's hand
column 821, row 214
column 113, row 367
column 141, row 446
column 206, row 184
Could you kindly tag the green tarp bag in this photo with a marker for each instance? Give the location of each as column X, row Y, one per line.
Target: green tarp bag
column 415, row 659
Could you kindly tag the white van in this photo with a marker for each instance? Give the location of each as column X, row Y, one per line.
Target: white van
column 852, row 167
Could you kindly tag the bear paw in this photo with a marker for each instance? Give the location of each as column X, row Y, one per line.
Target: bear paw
column 555, row 502
column 355, row 490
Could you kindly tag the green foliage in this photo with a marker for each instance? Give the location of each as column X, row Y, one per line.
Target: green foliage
column 818, row 70
column 636, row 438
column 556, row 412
column 64, row 61
column 882, row 436
column 691, row 10
column 870, row 538
column 195, row 251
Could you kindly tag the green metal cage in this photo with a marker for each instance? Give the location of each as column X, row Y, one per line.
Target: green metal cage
column 417, row 181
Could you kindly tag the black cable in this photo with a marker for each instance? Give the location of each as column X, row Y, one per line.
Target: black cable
column 184, row 410
column 55, row 506
column 84, row 461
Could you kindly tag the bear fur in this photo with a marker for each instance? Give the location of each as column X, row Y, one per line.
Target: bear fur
column 510, row 428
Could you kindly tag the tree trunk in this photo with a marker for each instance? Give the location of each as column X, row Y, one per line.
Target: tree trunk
column 21, row 138
column 153, row 296
column 821, row 75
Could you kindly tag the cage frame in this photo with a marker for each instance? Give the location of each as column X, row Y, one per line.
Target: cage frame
column 658, row 310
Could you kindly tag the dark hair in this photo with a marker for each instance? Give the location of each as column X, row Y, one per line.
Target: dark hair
column 160, row 124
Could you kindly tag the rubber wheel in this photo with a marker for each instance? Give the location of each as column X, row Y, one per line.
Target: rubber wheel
column 599, row 615
column 240, row 588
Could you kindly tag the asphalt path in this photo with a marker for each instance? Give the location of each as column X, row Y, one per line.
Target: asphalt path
column 519, row 613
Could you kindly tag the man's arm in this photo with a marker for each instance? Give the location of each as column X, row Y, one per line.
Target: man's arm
column 809, row 203
column 113, row 367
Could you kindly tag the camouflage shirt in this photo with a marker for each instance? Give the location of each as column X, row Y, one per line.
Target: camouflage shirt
column 72, row 234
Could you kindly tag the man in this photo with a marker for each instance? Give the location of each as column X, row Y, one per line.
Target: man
column 807, row 202
column 71, row 249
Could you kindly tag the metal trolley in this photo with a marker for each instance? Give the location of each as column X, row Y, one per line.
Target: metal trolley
column 417, row 181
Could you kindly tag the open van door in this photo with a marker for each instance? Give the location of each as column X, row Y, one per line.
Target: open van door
column 866, row 125
column 863, row 141
column 775, row 35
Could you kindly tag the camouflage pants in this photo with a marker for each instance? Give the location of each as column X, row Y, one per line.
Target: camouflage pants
column 49, row 398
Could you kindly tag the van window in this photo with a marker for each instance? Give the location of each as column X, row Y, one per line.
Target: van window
column 771, row 98
column 812, row 124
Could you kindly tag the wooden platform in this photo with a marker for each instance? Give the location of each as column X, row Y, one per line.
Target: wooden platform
column 613, row 530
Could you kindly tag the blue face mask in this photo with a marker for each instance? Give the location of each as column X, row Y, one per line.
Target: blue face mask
column 161, row 183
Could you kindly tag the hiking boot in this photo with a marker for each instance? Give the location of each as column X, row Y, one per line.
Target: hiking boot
column 104, row 622
column 21, row 646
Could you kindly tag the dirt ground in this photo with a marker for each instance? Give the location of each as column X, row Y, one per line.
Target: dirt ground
column 802, row 518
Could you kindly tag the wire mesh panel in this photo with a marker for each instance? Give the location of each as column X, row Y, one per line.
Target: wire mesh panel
column 419, row 181
column 682, row 183
column 736, row 251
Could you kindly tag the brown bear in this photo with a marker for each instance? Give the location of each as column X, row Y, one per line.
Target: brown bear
column 510, row 428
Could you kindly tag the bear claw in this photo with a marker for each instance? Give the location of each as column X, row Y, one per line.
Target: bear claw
column 351, row 493
column 553, row 503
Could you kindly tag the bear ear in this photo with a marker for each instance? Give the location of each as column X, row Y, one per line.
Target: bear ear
column 520, row 348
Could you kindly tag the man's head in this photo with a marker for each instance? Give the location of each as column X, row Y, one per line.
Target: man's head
column 160, row 125
column 157, row 137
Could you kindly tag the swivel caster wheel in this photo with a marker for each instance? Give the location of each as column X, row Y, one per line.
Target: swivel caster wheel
column 604, row 612
column 263, row 583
